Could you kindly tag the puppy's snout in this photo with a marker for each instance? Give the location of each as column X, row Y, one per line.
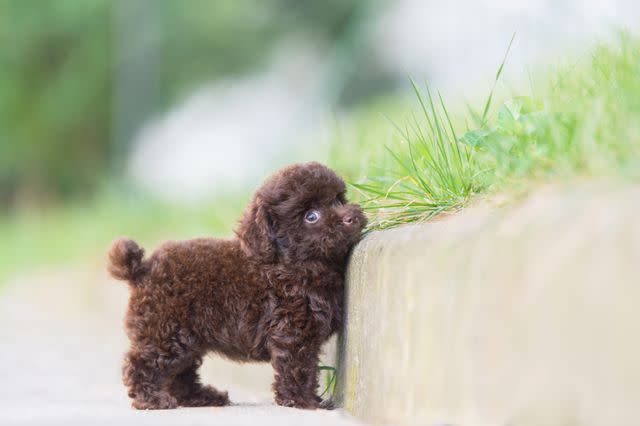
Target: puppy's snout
column 349, row 219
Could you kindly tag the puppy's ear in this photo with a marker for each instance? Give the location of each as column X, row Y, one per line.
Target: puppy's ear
column 256, row 232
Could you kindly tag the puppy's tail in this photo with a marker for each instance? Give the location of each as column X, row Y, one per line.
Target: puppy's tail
column 125, row 261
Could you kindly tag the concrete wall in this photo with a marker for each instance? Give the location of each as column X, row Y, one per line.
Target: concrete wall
column 527, row 314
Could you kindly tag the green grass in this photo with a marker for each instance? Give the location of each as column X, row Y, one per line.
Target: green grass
column 433, row 172
column 330, row 376
column 584, row 121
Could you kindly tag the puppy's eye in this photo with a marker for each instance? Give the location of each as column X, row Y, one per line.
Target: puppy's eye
column 312, row 216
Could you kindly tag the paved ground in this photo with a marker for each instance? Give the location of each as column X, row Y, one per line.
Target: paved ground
column 61, row 345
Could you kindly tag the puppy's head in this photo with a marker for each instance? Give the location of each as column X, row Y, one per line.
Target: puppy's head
column 301, row 213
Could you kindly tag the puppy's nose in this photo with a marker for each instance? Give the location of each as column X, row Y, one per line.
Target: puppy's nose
column 349, row 219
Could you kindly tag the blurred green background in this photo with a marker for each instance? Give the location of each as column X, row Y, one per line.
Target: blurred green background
column 66, row 129
column 83, row 83
column 59, row 72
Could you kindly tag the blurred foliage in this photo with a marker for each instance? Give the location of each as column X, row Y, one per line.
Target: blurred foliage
column 358, row 140
column 54, row 95
column 57, row 66
column 83, row 230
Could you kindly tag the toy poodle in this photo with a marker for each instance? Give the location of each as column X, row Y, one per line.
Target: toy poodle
column 273, row 294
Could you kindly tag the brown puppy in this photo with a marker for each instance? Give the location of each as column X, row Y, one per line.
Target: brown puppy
column 272, row 294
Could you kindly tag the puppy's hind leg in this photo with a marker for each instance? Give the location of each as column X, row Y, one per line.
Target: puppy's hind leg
column 146, row 382
column 189, row 392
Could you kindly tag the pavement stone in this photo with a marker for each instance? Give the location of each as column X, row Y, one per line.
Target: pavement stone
column 61, row 346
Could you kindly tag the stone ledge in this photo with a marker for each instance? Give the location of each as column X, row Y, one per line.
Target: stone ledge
column 523, row 315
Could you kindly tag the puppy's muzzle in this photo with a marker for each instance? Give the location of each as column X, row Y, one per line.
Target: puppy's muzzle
column 353, row 217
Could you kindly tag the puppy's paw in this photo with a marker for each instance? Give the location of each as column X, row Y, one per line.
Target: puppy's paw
column 207, row 396
column 156, row 402
column 305, row 404
column 328, row 404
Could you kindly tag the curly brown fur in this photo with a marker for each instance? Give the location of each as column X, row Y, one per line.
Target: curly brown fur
column 273, row 294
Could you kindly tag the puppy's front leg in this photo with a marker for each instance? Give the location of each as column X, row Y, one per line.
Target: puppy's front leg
column 296, row 374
